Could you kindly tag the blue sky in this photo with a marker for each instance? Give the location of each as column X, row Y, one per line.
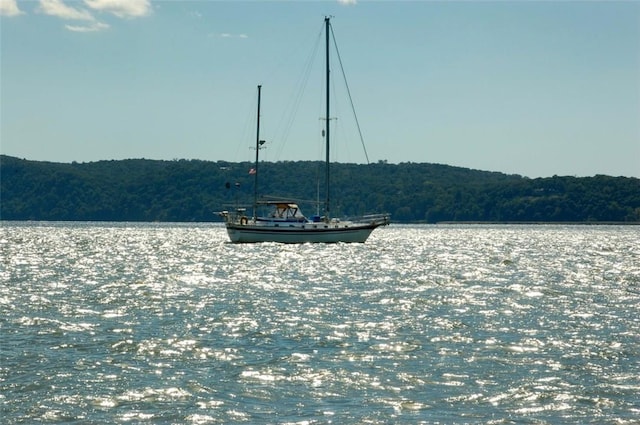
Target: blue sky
column 521, row 87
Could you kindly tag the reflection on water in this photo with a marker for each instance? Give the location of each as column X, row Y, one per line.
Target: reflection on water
column 422, row 324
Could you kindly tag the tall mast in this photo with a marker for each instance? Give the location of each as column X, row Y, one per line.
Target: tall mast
column 327, row 28
column 255, row 167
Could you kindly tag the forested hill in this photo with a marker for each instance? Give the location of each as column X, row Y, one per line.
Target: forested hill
column 190, row 190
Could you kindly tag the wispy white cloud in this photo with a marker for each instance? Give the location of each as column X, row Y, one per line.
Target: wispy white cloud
column 228, row 35
column 9, row 8
column 93, row 27
column 121, row 8
column 59, row 9
column 348, row 2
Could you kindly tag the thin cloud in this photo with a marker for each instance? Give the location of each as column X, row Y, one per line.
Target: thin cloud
column 9, row 8
column 121, row 8
column 229, row 35
column 58, row 9
column 94, row 27
column 348, row 2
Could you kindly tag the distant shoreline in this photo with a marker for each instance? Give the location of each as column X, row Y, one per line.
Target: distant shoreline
column 443, row 223
column 191, row 191
column 555, row 223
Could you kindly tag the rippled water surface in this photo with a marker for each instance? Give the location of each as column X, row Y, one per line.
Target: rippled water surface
column 142, row 323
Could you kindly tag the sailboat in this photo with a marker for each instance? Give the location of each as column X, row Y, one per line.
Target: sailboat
column 285, row 222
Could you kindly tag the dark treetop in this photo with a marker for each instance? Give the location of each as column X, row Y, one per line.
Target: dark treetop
column 191, row 190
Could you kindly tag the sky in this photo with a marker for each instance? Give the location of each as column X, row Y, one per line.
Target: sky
column 535, row 88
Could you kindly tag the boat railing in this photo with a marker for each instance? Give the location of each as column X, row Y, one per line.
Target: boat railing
column 372, row 218
column 237, row 216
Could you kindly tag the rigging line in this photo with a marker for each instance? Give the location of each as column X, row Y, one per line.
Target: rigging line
column 353, row 109
column 337, row 144
column 301, row 85
column 247, row 135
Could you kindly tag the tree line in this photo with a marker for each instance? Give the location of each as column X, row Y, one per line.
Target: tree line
column 193, row 190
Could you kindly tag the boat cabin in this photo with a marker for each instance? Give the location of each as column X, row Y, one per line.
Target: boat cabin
column 284, row 211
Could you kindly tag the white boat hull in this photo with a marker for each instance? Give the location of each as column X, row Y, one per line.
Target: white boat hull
column 302, row 232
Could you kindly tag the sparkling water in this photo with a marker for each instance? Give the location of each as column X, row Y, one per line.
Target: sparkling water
column 451, row 324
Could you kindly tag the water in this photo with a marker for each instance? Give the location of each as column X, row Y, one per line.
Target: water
column 145, row 323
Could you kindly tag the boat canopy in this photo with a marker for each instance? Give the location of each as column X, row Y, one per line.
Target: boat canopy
column 286, row 211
